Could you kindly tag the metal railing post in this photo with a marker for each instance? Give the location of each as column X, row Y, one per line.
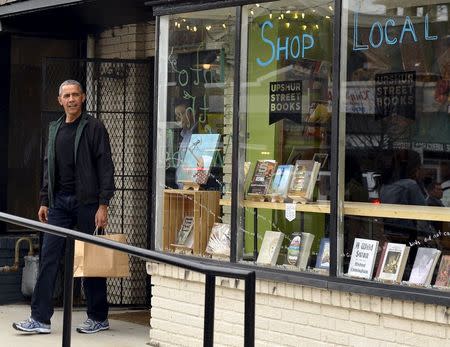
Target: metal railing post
column 249, row 314
column 208, row 323
column 68, row 292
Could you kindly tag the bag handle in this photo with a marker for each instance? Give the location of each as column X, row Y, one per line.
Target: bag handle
column 97, row 229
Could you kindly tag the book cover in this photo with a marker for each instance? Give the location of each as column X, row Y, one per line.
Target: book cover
column 270, row 248
column 281, row 180
column 323, row 257
column 305, row 250
column 185, row 230
column 262, row 177
column 380, row 259
column 219, row 240
column 424, row 264
column 362, row 261
column 200, row 155
column 394, row 262
column 303, row 180
column 443, row 276
column 293, row 250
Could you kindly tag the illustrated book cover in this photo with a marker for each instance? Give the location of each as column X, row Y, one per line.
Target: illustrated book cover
column 424, row 264
column 443, row 276
column 270, row 248
column 394, row 262
column 219, row 240
column 362, row 261
column 303, row 180
column 323, row 257
column 185, row 230
column 262, row 177
column 200, row 155
column 281, row 180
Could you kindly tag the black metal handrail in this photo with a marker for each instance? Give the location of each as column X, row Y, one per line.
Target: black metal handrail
column 210, row 271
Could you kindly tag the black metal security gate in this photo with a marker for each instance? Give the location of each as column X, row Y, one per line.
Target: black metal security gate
column 120, row 93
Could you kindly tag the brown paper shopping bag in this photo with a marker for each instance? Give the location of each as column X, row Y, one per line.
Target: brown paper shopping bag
column 95, row 261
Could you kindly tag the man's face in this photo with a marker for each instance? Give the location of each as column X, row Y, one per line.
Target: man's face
column 182, row 117
column 72, row 98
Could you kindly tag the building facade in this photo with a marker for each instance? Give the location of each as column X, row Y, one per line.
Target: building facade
column 248, row 96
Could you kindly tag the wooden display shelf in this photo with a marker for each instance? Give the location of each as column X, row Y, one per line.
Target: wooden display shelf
column 363, row 209
column 202, row 205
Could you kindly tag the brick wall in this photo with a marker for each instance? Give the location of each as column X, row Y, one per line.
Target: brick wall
column 288, row 315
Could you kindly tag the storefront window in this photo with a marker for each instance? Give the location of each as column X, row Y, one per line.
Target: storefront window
column 195, row 109
column 285, row 133
column 395, row 105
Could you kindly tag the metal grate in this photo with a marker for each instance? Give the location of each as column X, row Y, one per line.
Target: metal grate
column 119, row 92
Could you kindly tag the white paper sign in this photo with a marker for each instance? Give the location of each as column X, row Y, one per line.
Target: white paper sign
column 290, row 211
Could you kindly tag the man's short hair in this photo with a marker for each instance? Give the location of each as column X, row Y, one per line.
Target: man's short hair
column 70, row 83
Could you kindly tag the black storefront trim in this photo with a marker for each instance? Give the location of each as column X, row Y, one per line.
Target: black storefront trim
column 177, row 6
column 342, row 284
column 21, row 7
column 235, row 137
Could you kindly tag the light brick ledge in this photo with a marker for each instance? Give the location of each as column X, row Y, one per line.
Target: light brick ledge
column 289, row 314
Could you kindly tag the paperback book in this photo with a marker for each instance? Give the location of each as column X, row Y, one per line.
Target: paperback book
column 304, row 180
column 362, row 261
column 443, row 276
column 424, row 264
column 219, row 240
column 305, row 250
column 394, row 262
column 262, row 177
column 323, row 257
column 270, row 248
column 200, row 156
column 281, row 180
column 185, row 230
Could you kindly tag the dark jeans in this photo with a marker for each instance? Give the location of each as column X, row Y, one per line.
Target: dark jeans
column 66, row 213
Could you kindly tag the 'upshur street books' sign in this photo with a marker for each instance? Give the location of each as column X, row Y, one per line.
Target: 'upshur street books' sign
column 395, row 94
column 285, row 101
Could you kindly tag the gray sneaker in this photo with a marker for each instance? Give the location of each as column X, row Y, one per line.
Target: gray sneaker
column 91, row 326
column 32, row 326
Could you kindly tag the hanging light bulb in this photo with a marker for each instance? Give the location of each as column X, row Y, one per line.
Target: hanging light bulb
column 252, row 12
column 327, row 17
column 194, row 28
column 304, row 27
column 282, row 15
column 295, row 15
column 208, row 27
column 303, row 15
column 184, row 20
column 316, row 26
column 314, row 11
column 176, row 24
column 224, row 25
column 188, row 27
column 288, row 11
column 288, row 25
column 270, row 15
column 257, row 5
column 330, row 7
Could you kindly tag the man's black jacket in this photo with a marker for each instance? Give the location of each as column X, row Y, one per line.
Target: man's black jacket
column 94, row 169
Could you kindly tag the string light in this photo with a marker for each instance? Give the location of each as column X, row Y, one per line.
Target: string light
column 288, row 25
column 176, row 24
column 304, row 27
column 282, row 15
column 194, row 28
column 258, row 5
column 296, row 15
column 188, row 27
column 288, row 11
column 208, row 27
column 270, row 15
column 330, row 7
column 303, row 15
column 252, row 12
column 224, row 25
column 327, row 17
column 316, row 26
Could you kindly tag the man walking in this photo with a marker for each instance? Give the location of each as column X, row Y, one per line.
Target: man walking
column 77, row 186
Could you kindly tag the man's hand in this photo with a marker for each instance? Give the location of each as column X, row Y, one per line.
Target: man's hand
column 43, row 214
column 101, row 217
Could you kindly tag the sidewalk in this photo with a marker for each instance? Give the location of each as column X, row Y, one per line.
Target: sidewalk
column 121, row 334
